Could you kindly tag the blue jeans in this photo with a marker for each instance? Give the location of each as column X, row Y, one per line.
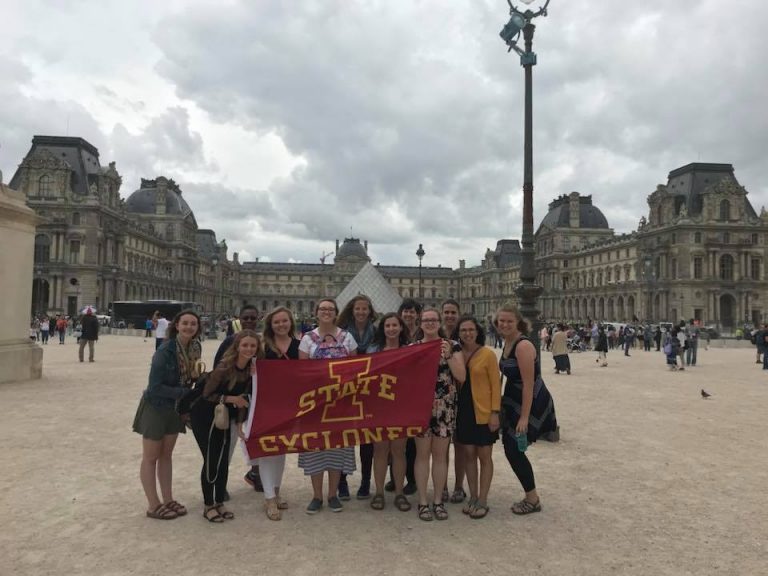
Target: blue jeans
column 690, row 354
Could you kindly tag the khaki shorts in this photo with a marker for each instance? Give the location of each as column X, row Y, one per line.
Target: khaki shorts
column 155, row 423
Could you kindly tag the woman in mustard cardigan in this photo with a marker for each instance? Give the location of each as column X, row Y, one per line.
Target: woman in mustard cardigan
column 477, row 422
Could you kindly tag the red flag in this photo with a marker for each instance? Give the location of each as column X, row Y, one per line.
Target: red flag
column 319, row 404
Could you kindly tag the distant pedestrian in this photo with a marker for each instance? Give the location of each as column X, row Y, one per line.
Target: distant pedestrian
column 160, row 330
column 61, row 328
column 601, row 347
column 148, row 326
column 560, row 351
column 671, row 348
column 657, row 338
column 45, row 330
column 89, row 334
column 691, row 343
column 760, row 343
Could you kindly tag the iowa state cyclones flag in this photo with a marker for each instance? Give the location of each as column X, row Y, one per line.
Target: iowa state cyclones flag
column 308, row 405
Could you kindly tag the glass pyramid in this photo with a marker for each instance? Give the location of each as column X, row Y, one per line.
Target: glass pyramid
column 371, row 283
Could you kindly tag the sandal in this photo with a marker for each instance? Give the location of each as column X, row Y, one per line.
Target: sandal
column 162, row 512
column 272, row 509
column 458, row 496
column 425, row 513
column 526, row 507
column 479, row 511
column 378, row 502
column 282, row 504
column 440, row 512
column 226, row 514
column 401, row 503
column 176, row 507
column 216, row 518
column 469, row 506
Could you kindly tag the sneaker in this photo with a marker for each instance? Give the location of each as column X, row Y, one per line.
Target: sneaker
column 253, row 479
column 390, row 486
column 343, row 492
column 315, row 506
column 334, row 504
column 409, row 489
column 364, row 492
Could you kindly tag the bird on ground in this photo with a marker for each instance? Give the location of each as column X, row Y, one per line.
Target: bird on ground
column 705, row 394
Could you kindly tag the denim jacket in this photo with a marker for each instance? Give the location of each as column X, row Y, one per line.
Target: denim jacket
column 164, row 377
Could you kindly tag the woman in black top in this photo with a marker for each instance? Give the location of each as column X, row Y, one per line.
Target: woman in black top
column 280, row 343
column 527, row 407
column 229, row 384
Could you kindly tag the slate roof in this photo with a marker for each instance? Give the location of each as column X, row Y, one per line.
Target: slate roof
column 142, row 201
column 559, row 215
column 692, row 180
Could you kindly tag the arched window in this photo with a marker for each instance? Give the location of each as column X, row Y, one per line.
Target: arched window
column 45, row 185
column 726, row 267
column 42, row 249
column 725, row 210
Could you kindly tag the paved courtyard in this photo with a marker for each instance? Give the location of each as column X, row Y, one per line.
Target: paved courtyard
column 648, row 478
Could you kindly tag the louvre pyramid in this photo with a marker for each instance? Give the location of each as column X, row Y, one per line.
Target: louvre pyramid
column 371, row 283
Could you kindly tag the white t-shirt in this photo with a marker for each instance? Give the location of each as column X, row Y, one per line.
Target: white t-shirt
column 309, row 346
column 162, row 328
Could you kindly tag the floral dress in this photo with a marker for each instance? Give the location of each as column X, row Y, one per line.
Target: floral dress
column 442, row 424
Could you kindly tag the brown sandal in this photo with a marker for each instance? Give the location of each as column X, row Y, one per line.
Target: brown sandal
column 378, row 502
column 216, row 518
column 272, row 509
column 226, row 514
column 177, row 507
column 281, row 503
column 401, row 503
column 162, row 512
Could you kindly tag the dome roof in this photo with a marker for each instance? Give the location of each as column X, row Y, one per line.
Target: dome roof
column 352, row 248
column 559, row 215
column 143, row 200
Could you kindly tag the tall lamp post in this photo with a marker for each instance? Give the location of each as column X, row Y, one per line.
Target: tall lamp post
column 212, row 315
column 528, row 292
column 420, row 254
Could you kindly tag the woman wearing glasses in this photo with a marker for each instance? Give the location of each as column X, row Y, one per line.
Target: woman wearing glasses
column 433, row 443
column 327, row 341
column 477, row 420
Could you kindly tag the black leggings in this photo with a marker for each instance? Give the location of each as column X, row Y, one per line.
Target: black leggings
column 214, row 446
column 521, row 466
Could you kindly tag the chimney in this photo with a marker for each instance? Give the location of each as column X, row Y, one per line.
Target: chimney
column 234, row 258
column 161, row 184
column 573, row 209
column 462, row 264
column 365, row 243
column 337, row 244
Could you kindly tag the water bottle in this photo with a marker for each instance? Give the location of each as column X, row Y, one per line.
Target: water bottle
column 522, row 441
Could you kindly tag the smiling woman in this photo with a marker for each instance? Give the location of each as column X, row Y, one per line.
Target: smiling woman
column 175, row 365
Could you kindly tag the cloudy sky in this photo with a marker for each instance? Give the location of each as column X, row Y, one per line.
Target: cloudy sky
column 291, row 124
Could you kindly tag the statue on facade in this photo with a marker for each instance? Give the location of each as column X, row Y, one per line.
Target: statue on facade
column 643, row 223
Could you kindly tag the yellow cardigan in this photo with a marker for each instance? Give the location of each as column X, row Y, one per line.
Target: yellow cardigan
column 486, row 384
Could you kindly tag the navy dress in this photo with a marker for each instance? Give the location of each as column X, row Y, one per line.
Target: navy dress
column 542, row 419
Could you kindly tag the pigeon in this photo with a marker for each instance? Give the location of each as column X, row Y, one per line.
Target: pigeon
column 705, row 394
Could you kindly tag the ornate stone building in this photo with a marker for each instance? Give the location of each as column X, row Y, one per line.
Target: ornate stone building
column 699, row 253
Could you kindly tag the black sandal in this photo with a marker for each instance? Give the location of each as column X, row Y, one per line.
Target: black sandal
column 162, row 512
column 378, row 502
column 440, row 512
column 525, row 507
column 216, row 518
column 226, row 514
column 401, row 503
column 425, row 513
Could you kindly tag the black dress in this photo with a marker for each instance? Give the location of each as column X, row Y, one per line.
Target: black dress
column 291, row 354
column 468, row 431
column 542, row 419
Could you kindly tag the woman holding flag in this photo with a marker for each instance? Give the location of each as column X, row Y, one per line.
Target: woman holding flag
column 433, row 443
column 390, row 335
column 280, row 343
column 327, row 341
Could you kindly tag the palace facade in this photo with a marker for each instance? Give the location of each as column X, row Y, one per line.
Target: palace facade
column 699, row 253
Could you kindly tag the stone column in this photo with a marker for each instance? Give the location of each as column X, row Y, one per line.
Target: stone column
column 20, row 358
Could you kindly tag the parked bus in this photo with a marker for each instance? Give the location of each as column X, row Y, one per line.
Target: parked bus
column 134, row 314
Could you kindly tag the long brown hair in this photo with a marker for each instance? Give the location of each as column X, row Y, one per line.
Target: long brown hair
column 522, row 323
column 173, row 330
column 347, row 319
column 269, row 333
column 230, row 356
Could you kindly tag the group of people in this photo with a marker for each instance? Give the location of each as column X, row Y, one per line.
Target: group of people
column 85, row 328
column 470, row 409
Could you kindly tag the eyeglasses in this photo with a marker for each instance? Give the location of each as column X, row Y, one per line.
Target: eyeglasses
column 326, row 309
column 249, row 318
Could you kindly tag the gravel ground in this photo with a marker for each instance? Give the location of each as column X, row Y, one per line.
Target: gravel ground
column 648, row 478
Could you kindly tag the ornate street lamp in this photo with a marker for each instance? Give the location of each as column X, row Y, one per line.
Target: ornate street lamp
column 528, row 292
column 212, row 314
column 420, row 254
